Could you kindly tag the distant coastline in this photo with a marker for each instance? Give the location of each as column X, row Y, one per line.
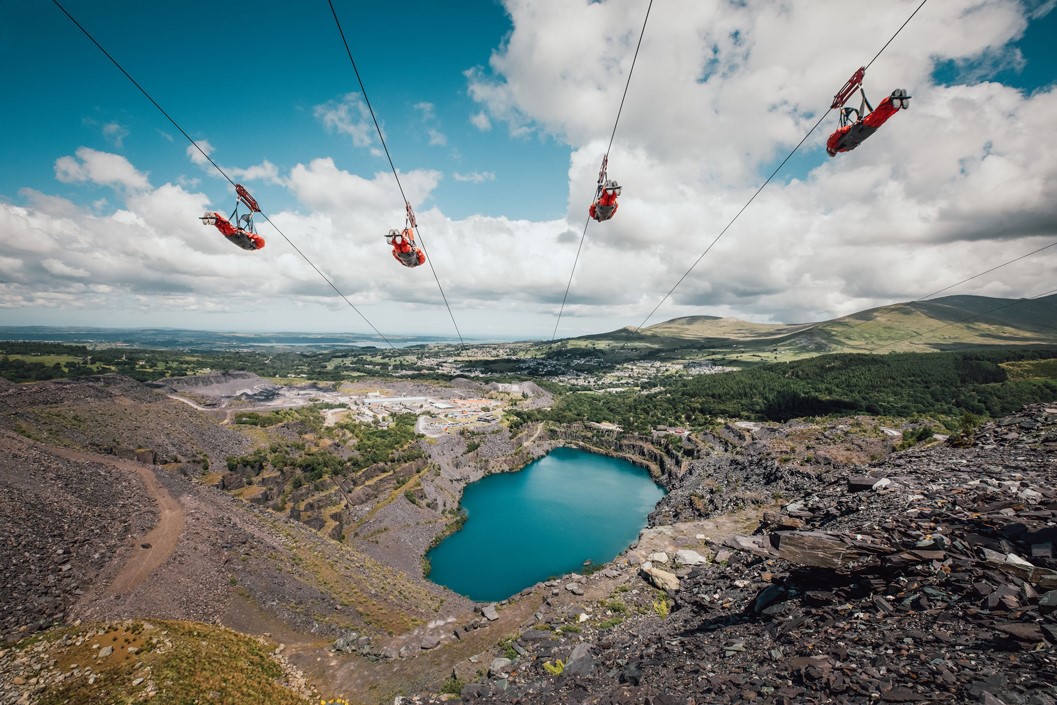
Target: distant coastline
column 177, row 338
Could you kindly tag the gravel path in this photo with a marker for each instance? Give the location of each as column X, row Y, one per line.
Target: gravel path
column 159, row 543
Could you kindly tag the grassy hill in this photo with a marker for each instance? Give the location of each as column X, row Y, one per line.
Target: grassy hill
column 947, row 323
column 164, row 662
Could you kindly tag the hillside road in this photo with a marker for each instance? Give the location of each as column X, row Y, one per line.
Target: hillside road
column 161, row 540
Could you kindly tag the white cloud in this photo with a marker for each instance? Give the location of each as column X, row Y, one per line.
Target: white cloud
column 1037, row 9
column 201, row 149
column 959, row 182
column 61, row 269
column 437, row 138
column 199, row 152
column 265, row 171
column 115, row 134
column 101, row 168
column 348, row 116
column 475, row 177
column 428, row 110
column 481, row 122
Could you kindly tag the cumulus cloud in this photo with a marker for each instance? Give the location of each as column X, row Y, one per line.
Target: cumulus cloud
column 265, row 171
column 718, row 97
column 350, row 116
column 100, row 168
column 200, row 153
column 958, row 183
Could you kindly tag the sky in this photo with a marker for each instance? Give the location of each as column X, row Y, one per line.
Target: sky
column 496, row 116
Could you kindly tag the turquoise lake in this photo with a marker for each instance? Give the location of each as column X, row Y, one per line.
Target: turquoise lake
column 544, row 520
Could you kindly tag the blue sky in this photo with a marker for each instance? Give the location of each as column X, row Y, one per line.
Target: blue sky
column 497, row 114
column 247, row 81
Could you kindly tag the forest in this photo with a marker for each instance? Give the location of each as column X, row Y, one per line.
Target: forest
column 949, row 385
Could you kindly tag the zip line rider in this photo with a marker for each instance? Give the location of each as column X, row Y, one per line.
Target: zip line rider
column 404, row 249
column 852, row 132
column 604, row 206
column 242, row 232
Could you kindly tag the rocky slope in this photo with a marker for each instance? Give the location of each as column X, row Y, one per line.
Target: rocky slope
column 119, row 416
column 801, row 562
column 926, row 577
column 61, row 523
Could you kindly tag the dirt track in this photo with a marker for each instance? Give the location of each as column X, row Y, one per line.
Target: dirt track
column 159, row 541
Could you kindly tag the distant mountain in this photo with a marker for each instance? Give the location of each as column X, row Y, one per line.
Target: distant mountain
column 940, row 324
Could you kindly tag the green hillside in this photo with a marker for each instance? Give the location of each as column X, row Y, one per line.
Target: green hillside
column 948, row 323
column 942, row 385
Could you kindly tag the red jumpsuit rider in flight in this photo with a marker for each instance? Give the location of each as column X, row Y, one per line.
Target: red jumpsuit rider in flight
column 245, row 238
column 404, row 249
column 605, row 203
column 851, row 133
column 241, row 232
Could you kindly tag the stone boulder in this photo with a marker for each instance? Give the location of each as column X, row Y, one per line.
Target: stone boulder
column 581, row 663
column 660, row 578
column 819, row 549
column 687, row 557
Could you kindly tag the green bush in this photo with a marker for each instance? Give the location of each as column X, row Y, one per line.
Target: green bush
column 452, row 686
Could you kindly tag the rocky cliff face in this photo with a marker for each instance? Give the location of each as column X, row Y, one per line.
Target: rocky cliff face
column 928, row 576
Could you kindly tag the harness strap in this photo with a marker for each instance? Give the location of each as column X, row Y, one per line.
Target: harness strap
column 864, row 101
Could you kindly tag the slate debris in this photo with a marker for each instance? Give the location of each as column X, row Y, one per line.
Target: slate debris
column 939, row 585
column 61, row 522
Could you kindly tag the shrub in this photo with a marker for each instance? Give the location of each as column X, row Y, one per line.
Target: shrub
column 452, row 686
column 918, row 435
column 507, row 645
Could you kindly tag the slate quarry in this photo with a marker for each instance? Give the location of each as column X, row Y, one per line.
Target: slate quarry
column 927, row 577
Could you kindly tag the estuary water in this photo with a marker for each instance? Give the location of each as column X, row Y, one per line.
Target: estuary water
column 544, row 520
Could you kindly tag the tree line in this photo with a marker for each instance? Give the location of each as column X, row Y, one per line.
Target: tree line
column 899, row 384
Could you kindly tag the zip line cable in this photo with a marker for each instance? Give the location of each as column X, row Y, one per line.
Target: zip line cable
column 905, row 304
column 736, row 216
column 141, row 89
column 392, row 166
column 769, row 178
column 605, row 159
column 217, row 166
column 628, row 83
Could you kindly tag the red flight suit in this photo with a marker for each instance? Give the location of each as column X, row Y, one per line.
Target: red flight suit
column 851, row 136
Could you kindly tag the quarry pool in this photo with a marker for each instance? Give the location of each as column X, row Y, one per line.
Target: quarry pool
column 568, row 507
